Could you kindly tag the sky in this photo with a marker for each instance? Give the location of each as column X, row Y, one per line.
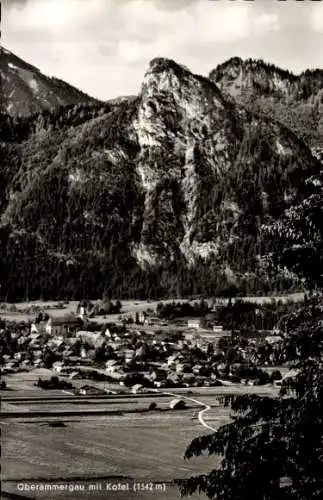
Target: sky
column 104, row 47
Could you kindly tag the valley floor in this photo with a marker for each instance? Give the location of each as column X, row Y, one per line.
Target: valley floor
column 134, row 446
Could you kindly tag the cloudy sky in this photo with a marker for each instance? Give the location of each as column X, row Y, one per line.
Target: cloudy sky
column 104, row 46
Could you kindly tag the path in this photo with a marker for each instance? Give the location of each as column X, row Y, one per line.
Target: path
column 201, row 413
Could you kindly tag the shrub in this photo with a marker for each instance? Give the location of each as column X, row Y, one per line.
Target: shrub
column 276, row 375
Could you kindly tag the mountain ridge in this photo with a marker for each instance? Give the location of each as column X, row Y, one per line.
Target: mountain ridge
column 25, row 90
column 169, row 192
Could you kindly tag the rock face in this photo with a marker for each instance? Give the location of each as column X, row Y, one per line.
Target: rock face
column 168, row 192
column 295, row 100
column 25, row 90
column 210, row 171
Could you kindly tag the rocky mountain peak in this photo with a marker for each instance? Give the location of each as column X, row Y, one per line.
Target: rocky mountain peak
column 160, row 64
column 25, row 90
column 168, row 85
column 295, row 100
column 237, row 76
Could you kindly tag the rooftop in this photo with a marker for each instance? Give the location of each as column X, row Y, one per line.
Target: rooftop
column 67, row 319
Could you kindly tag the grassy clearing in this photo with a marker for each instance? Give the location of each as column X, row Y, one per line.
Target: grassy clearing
column 22, row 383
column 126, row 405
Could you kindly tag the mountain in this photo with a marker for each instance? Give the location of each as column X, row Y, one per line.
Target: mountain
column 25, row 90
column 168, row 193
column 295, row 100
column 123, row 98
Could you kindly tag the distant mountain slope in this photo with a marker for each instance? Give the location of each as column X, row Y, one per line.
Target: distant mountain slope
column 25, row 90
column 166, row 193
column 120, row 99
column 295, row 100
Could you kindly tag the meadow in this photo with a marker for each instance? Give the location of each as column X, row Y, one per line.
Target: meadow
column 141, row 447
column 20, row 308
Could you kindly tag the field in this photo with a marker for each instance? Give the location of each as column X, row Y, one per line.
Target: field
column 127, row 307
column 22, row 383
column 141, row 447
column 145, row 447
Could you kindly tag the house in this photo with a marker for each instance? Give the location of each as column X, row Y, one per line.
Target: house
column 196, row 369
column 157, row 375
column 188, row 379
column 33, row 328
column 83, row 353
column 291, row 374
column 177, row 404
column 118, row 374
column 9, row 367
column 219, row 303
column 75, row 375
column 56, row 343
column 58, row 366
column 112, row 366
column 33, row 337
column 136, row 388
column 63, row 325
column 139, row 318
column 142, row 317
column 128, row 354
column 25, row 363
column 194, row 323
column 116, row 345
column 107, row 333
column 171, row 360
column 142, row 351
column 91, row 338
column 272, row 339
column 89, row 390
column 84, row 308
column 172, row 380
column 78, row 362
column 183, row 368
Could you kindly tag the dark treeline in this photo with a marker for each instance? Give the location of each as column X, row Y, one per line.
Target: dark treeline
column 181, row 309
column 39, row 276
column 243, row 316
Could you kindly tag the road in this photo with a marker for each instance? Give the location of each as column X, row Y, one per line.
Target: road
column 200, row 417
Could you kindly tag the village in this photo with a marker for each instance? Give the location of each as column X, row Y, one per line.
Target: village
column 98, row 349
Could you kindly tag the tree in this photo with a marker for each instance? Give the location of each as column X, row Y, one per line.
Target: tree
column 49, row 357
column 297, row 240
column 118, row 306
column 272, row 449
column 100, row 354
column 273, row 446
